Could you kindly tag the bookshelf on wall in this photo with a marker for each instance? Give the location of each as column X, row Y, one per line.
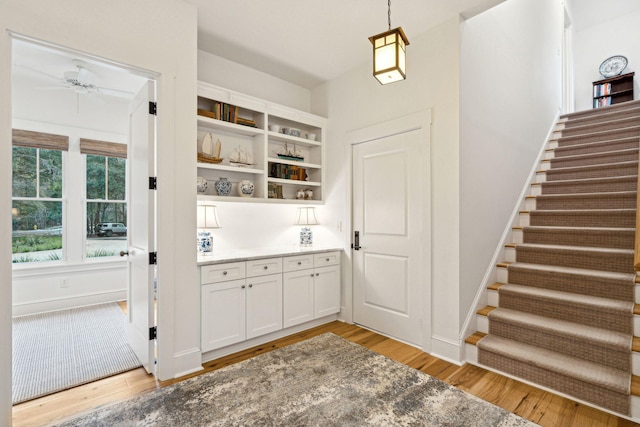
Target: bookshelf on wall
column 613, row 90
column 253, row 147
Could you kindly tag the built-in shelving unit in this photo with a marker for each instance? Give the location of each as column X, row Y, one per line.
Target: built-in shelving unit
column 254, row 147
column 613, row 90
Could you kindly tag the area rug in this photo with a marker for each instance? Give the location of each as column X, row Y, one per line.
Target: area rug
column 323, row 381
column 62, row 349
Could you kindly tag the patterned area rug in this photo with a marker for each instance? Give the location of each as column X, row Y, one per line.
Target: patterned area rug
column 323, row 381
column 58, row 350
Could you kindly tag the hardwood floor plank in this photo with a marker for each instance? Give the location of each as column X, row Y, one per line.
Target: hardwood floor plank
column 544, row 408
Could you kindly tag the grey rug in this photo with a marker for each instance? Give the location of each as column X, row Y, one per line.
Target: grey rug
column 62, row 349
column 323, row 381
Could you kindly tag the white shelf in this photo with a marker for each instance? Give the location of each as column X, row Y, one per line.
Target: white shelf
column 294, row 163
column 274, row 136
column 238, row 199
column 294, row 182
column 207, row 122
column 230, row 168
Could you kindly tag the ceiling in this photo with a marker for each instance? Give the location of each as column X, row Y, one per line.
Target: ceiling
column 308, row 42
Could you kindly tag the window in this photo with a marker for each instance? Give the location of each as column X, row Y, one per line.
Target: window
column 37, row 195
column 106, row 207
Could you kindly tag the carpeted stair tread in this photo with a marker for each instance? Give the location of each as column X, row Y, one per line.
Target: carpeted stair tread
column 620, row 238
column 592, row 171
column 610, row 111
column 564, row 150
column 595, row 158
column 591, row 373
column 593, row 303
column 563, row 328
column 585, row 201
column 599, row 119
column 600, row 126
column 623, row 218
column 607, row 259
column 628, row 131
column 591, row 185
column 605, row 284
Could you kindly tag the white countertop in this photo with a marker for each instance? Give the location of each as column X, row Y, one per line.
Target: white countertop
column 237, row 255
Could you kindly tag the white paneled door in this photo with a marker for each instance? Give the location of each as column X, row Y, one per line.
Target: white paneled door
column 389, row 279
column 141, row 232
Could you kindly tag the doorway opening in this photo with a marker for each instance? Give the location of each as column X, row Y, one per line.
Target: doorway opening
column 73, row 134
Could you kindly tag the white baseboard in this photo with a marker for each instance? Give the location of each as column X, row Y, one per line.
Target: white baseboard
column 69, row 302
column 187, row 362
column 446, row 349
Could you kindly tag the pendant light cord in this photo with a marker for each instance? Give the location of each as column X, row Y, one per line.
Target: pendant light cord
column 389, row 13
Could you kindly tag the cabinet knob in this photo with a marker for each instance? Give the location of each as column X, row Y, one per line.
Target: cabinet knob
column 242, row 287
column 299, row 262
column 311, row 274
column 251, row 286
column 266, row 267
column 317, row 274
column 224, row 273
column 327, row 259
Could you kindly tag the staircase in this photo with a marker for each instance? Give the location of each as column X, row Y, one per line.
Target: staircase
column 562, row 312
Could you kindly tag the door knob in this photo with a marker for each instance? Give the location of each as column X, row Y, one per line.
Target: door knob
column 123, row 253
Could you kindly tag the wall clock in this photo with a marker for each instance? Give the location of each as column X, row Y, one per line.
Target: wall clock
column 613, row 66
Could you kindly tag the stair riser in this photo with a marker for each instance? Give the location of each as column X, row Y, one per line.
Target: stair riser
column 586, row 202
column 624, row 219
column 564, row 282
column 586, row 128
column 592, row 160
column 613, row 239
column 576, row 312
column 603, row 185
column 596, row 260
column 628, row 132
column 606, row 171
column 613, row 357
column 576, row 150
column 574, row 387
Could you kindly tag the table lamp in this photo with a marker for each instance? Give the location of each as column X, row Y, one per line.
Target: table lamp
column 306, row 216
column 207, row 218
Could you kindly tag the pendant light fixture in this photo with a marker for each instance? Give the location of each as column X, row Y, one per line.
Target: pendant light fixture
column 389, row 55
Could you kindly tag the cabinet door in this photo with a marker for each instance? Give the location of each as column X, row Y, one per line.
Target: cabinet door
column 298, row 297
column 223, row 314
column 326, row 291
column 264, row 305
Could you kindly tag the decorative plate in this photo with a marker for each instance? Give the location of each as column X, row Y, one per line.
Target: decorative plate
column 613, row 66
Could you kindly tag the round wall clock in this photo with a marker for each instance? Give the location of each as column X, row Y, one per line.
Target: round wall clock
column 613, row 66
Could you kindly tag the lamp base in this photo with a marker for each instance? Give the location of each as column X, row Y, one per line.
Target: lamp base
column 306, row 236
column 204, row 242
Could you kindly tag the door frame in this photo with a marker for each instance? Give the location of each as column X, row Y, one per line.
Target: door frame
column 410, row 122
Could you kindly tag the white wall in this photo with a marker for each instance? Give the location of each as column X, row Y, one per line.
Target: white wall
column 510, row 93
column 231, row 75
column 155, row 35
column 592, row 45
column 356, row 100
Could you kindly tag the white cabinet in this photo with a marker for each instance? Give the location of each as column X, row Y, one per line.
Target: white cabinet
column 254, row 147
column 311, row 293
column 235, row 310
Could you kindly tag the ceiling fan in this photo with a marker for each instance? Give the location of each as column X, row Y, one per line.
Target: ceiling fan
column 82, row 80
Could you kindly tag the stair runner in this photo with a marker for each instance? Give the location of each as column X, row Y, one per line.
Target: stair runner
column 565, row 316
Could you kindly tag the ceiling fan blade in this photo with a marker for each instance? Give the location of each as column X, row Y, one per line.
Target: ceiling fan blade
column 115, row 92
column 85, row 76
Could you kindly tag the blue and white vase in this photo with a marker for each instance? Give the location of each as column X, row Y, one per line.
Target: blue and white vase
column 202, row 184
column 223, row 187
column 204, row 242
column 245, row 188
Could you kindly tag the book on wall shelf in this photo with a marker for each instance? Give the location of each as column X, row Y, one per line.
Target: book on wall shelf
column 226, row 113
column 613, row 90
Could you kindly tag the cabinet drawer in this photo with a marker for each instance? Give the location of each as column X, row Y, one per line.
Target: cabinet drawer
column 260, row 267
column 328, row 258
column 222, row 272
column 295, row 263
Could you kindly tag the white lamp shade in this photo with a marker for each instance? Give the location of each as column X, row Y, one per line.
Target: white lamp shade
column 306, row 216
column 208, row 217
column 389, row 55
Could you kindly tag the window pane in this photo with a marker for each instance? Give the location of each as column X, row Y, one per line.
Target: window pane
column 37, row 231
column 106, row 229
column 96, row 177
column 24, row 172
column 117, row 178
column 50, row 173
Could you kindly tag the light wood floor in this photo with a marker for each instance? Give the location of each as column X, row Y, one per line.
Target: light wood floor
column 536, row 405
